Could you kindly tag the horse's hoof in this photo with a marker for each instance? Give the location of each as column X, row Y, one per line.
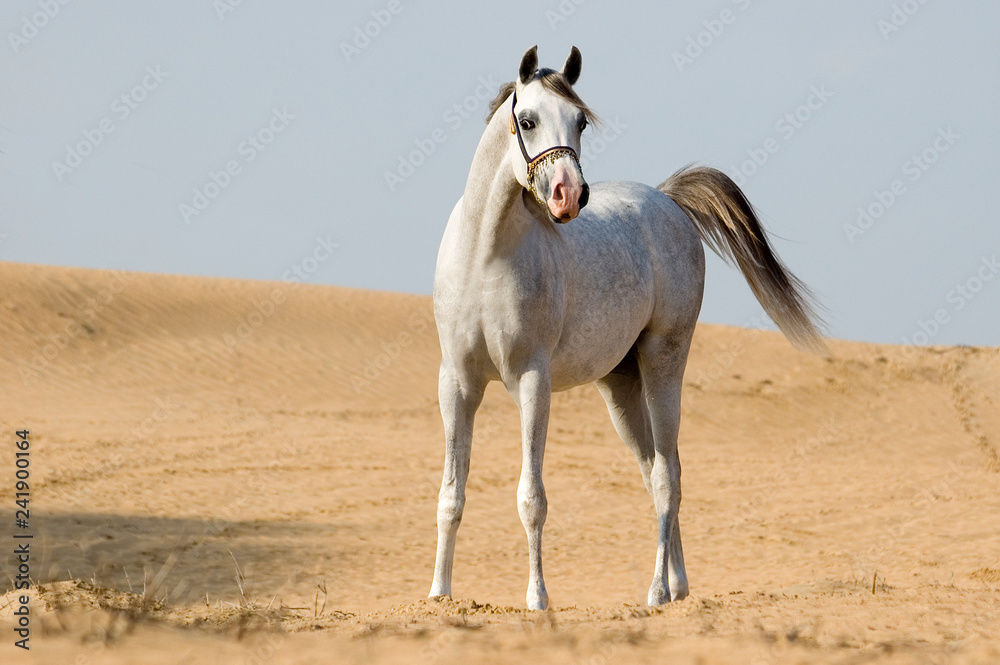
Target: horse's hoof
column 537, row 600
column 658, row 595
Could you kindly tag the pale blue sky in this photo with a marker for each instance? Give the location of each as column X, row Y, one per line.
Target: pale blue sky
column 819, row 109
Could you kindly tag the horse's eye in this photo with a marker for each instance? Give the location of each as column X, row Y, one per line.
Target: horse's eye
column 583, row 125
column 527, row 125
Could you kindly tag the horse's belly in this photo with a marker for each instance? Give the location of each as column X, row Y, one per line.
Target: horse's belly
column 593, row 344
column 579, row 371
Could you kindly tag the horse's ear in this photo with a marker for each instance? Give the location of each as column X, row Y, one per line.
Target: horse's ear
column 571, row 70
column 529, row 64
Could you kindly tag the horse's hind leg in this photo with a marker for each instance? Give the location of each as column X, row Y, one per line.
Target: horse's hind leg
column 459, row 400
column 622, row 390
column 662, row 359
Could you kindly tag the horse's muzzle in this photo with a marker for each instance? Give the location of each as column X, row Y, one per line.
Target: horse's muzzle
column 568, row 194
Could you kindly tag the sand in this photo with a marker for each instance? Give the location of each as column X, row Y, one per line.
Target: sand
column 245, row 472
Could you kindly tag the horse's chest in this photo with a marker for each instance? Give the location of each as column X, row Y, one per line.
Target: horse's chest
column 514, row 308
column 511, row 313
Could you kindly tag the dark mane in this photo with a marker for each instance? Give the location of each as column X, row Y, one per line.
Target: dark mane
column 552, row 81
column 502, row 94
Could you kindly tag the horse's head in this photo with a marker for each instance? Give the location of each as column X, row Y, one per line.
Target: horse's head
column 546, row 120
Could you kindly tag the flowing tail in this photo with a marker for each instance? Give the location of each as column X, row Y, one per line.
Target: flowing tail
column 728, row 224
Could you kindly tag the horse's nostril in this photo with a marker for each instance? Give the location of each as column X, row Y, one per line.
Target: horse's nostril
column 584, row 195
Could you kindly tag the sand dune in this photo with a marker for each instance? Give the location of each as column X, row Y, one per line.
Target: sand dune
column 834, row 508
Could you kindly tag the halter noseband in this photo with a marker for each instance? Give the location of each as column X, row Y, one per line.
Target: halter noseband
column 541, row 159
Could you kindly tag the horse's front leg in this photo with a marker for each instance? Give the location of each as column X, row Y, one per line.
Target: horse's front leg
column 533, row 393
column 459, row 400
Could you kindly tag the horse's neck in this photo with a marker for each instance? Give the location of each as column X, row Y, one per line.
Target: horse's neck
column 493, row 215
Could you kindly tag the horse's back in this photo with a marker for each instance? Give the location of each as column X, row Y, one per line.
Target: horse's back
column 626, row 207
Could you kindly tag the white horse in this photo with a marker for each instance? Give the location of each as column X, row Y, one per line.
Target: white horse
column 517, row 288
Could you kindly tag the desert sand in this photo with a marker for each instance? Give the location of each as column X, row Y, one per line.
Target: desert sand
column 229, row 471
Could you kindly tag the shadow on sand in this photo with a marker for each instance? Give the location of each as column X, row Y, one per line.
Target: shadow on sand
column 181, row 559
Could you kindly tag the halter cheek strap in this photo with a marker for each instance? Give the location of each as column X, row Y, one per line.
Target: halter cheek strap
column 541, row 159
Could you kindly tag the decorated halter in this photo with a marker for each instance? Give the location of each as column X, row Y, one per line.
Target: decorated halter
column 541, row 159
